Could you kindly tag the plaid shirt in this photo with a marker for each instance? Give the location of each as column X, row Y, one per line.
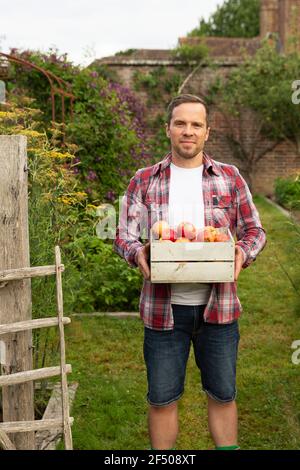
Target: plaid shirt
column 227, row 202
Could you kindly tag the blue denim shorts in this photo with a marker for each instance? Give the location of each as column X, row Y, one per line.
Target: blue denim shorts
column 166, row 354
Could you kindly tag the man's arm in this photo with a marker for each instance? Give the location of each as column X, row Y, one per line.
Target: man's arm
column 250, row 234
column 132, row 214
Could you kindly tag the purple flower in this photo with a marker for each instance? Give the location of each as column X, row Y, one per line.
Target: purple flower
column 110, row 195
column 92, row 175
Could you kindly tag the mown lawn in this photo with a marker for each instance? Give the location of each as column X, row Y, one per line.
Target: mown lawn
column 110, row 409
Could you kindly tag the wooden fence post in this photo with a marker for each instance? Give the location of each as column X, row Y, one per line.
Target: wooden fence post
column 15, row 296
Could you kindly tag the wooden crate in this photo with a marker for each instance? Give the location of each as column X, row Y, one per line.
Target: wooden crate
column 192, row 261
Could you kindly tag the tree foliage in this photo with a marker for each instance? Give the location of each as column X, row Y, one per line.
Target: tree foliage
column 263, row 83
column 256, row 101
column 234, row 18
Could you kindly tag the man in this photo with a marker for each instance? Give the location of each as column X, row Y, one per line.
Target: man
column 192, row 186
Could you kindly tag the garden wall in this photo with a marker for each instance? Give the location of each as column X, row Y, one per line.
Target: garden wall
column 281, row 161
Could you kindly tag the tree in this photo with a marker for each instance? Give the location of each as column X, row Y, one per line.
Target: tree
column 235, row 18
column 256, row 102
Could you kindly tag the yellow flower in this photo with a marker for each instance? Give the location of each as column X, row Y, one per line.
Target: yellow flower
column 59, row 155
column 31, row 133
column 8, row 115
column 81, row 195
column 66, row 200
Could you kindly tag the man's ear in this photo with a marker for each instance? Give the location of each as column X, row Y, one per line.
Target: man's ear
column 167, row 130
column 207, row 134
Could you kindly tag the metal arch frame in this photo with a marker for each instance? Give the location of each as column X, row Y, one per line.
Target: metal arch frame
column 56, row 85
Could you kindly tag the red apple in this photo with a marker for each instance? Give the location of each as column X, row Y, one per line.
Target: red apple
column 199, row 235
column 169, row 235
column 160, row 228
column 187, row 230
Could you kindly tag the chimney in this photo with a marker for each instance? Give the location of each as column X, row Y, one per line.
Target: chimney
column 268, row 17
column 289, row 25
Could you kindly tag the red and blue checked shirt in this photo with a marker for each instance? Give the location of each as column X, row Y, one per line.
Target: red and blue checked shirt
column 227, row 202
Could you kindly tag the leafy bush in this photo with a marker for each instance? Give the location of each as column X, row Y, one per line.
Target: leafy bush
column 60, row 214
column 109, row 283
column 108, row 126
column 190, row 53
column 287, row 191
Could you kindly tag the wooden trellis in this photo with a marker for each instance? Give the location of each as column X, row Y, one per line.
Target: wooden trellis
column 65, row 421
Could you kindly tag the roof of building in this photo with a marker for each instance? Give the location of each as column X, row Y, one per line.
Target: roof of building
column 224, row 50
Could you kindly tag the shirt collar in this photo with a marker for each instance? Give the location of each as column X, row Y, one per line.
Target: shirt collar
column 208, row 164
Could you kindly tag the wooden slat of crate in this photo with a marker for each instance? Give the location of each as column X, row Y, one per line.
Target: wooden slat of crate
column 197, row 271
column 193, row 251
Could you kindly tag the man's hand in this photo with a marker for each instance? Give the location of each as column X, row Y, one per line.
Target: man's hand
column 239, row 261
column 142, row 260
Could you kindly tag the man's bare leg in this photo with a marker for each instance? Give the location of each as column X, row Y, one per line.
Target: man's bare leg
column 223, row 422
column 163, row 426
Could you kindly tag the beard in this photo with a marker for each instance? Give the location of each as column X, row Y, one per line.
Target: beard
column 188, row 153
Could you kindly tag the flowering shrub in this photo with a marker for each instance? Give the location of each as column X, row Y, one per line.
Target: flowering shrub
column 108, row 126
column 109, row 131
column 105, row 143
column 60, row 213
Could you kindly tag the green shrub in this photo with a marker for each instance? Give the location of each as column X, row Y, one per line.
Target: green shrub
column 287, row 191
column 105, row 282
column 190, row 53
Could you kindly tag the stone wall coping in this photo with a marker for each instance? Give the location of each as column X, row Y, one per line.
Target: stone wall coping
column 123, row 61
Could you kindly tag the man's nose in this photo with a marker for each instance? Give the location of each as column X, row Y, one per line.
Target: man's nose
column 188, row 130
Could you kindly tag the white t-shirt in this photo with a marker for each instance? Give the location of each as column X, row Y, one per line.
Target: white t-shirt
column 186, row 205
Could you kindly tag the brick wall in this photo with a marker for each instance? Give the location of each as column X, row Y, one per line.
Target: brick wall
column 281, row 161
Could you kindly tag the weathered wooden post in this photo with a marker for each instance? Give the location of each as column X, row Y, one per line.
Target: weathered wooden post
column 15, row 296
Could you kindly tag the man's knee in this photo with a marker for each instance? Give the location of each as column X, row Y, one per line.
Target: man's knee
column 164, row 407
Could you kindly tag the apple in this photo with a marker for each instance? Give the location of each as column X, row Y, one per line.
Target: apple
column 199, row 235
column 209, row 233
column 222, row 237
column 186, row 230
column 169, row 235
column 182, row 240
column 160, row 228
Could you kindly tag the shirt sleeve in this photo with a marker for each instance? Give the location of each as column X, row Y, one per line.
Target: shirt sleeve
column 131, row 218
column 251, row 236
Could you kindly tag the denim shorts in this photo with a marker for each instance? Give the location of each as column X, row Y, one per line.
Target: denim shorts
column 166, row 354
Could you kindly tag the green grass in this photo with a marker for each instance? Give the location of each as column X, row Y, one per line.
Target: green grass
column 110, row 409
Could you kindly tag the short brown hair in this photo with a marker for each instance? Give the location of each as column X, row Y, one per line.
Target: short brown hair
column 185, row 98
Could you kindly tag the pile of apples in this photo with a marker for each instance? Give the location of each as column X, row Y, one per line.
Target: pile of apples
column 186, row 232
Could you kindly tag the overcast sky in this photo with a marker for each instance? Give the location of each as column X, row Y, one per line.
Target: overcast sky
column 88, row 29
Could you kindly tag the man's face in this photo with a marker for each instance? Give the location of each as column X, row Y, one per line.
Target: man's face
column 188, row 130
